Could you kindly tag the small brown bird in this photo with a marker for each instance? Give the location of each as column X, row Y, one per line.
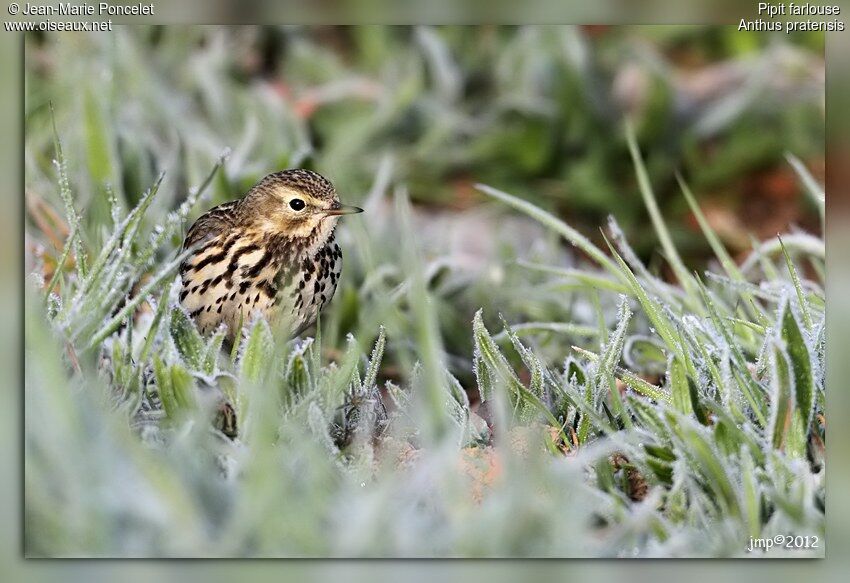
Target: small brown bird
column 270, row 253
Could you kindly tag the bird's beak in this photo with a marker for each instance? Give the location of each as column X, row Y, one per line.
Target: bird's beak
column 342, row 209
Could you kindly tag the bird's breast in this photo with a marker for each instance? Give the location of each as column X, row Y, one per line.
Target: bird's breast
column 231, row 281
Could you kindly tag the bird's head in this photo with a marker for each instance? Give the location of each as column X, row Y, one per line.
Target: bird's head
column 298, row 203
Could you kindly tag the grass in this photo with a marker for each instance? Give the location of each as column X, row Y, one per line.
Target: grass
column 627, row 414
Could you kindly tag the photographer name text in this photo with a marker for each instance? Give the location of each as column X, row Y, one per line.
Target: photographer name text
column 86, row 9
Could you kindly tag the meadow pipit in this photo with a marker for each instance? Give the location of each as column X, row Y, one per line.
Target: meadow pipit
column 271, row 253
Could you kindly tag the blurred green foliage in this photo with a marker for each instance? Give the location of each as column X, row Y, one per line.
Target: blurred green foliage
column 536, row 111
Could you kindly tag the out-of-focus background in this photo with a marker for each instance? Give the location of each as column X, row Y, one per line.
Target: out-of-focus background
column 425, row 114
column 535, row 111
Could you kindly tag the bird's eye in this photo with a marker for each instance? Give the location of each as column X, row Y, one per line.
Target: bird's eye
column 297, row 204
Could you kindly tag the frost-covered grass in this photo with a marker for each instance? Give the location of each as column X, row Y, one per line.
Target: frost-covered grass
column 622, row 413
column 723, row 442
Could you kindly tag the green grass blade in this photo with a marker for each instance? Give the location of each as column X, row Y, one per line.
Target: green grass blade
column 679, row 387
column 371, row 378
column 551, row 221
column 99, row 157
column 113, row 323
column 633, row 381
column 532, row 328
column 187, row 339
column 726, row 261
column 812, row 188
column 653, row 310
column 161, row 308
column 799, row 242
column 60, row 265
column 801, row 364
column 798, row 287
column 426, row 331
column 752, row 390
column 586, row 278
column 661, row 230
column 68, row 199
column 124, row 232
column 781, row 404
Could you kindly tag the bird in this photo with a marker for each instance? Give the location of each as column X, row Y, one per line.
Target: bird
column 271, row 253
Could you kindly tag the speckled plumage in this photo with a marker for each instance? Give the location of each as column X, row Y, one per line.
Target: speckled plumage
column 259, row 255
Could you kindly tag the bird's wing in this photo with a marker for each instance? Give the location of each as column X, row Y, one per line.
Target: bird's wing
column 211, row 224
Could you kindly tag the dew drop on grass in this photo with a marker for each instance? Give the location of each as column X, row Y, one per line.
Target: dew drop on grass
column 37, row 280
column 54, row 304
